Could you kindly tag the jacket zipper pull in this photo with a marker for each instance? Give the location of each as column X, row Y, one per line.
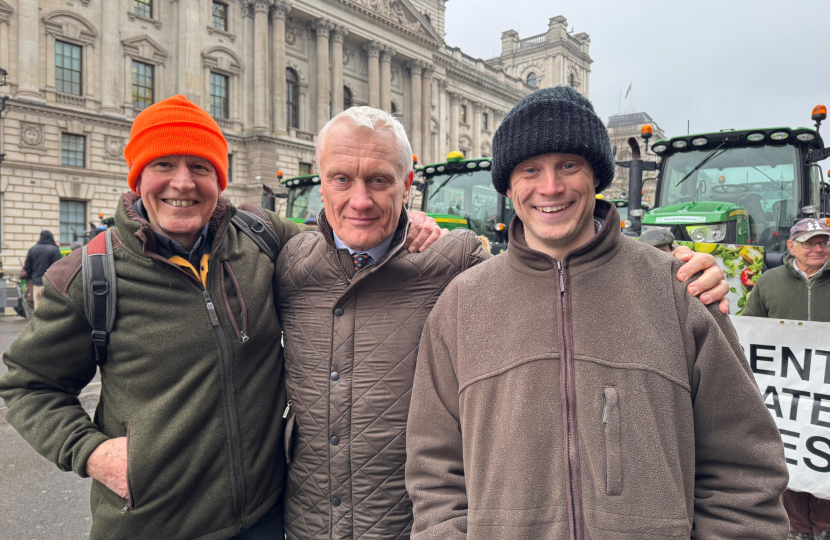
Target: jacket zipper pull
column 561, row 278
column 287, row 410
column 126, row 507
column 211, row 310
column 244, row 337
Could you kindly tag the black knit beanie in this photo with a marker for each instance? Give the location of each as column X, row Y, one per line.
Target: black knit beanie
column 552, row 120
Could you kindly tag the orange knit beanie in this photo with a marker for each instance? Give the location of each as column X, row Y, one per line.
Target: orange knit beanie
column 175, row 126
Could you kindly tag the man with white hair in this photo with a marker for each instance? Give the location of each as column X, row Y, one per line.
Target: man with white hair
column 353, row 303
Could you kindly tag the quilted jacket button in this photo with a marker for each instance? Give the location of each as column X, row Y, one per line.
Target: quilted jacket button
column 338, row 311
column 335, row 440
column 335, row 501
column 335, row 376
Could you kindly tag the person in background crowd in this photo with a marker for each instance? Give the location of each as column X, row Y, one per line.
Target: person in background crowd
column 353, row 303
column 662, row 239
column 187, row 439
column 800, row 290
column 40, row 257
column 553, row 399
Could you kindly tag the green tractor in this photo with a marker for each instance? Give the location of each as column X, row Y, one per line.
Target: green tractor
column 455, row 193
column 738, row 187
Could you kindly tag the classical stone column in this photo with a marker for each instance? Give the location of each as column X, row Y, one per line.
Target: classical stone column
column 337, row 34
column 415, row 69
column 189, row 56
column 477, row 109
column 386, row 78
column 426, row 114
column 322, row 28
column 28, row 51
column 442, row 119
column 110, row 60
column 260, row 8
column 455, row 111
column 278, row 14
column 373, row 49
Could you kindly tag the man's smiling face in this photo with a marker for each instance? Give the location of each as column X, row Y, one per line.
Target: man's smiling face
column 554, row 196
column 179, row 194
column 363, row 183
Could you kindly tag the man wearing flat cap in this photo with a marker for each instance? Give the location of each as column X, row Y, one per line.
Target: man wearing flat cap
column 553, row 399
column 187, row 439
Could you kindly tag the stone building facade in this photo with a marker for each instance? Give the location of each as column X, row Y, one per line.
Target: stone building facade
column 620, row 128
column 271, row 72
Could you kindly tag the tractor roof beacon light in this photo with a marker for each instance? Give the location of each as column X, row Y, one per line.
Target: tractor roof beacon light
column 819, row 115
column 279, row 175
column 646, row 133
column 455, row 155
column 414, row 161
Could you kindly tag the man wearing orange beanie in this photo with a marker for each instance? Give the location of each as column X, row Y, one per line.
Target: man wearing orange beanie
column 187, row 439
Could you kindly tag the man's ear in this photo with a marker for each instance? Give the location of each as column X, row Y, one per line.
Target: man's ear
column 322, row 197
column 138, row 184
column 509, row 193
column 407, row 186
column 790, row 245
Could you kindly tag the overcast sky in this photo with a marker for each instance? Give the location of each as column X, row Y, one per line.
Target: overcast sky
column 717, row 64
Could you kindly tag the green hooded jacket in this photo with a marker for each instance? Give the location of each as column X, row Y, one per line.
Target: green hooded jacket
column 193, row 379
column 783, row 293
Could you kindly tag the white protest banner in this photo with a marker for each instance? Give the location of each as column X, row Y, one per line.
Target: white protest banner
column 791, row 364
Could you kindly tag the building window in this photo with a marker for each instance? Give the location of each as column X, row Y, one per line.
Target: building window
column 67, row 68
column 72, row 150
column 142, row 85
column 220, row 16
column 73, row 221
column 485, row 121
column 292, row 99
column 572, row 81
column 304, row 168
column 463, row 114
column 230, row 168
column 531, row 80
column 143, row 8
column 347, row 98
column 394, row 108
column 219, row 96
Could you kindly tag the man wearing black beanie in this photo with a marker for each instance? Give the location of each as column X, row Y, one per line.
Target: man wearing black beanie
column 571, row 387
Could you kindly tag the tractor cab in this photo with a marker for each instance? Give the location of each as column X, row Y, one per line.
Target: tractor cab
column 459, row 193
column 739, row 187
column 304, row 199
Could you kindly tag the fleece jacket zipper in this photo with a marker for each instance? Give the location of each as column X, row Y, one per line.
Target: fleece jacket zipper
column 226, row 363
column 568, row 375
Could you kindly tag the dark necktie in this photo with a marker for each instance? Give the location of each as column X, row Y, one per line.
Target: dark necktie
column 361, row 260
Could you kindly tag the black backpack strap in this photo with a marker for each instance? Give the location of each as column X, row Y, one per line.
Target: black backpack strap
column 98, row 274
column 260, row 231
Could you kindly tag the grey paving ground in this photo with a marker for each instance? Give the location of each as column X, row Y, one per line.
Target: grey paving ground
column 37, row 501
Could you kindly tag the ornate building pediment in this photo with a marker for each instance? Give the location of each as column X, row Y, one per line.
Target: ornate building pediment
column 145, row 48
column 69, row 25
column 400, row 14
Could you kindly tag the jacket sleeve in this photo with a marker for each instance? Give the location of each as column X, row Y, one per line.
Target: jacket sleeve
column 27, row 266
column 435, row 464
column 48, row 366
column 755, row 306
column 740, row 472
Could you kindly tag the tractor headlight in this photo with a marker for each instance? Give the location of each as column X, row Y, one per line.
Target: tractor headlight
column 707, row 233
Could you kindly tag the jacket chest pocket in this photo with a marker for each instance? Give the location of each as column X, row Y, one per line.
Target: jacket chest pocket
column 234, row 301
column 613, row 447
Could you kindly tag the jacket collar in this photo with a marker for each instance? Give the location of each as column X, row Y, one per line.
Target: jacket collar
column 345, row 257
column 596, row 252
column 821, row 275
column 137, row 234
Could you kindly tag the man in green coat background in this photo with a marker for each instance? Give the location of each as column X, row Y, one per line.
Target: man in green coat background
column 800, row 290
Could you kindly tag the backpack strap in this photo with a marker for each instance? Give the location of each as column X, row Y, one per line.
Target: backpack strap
column 260, row 231
column 98, row 274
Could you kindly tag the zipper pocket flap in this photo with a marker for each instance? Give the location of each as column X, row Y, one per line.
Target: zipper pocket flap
column 613, row 443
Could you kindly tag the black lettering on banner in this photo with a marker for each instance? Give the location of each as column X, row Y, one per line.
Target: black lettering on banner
column 787, row 356
column 796, row 394
column 826, row 355
column 776, row 405
column 811, row 447
column 754, row 358
column 789, row 446
column 819, row 408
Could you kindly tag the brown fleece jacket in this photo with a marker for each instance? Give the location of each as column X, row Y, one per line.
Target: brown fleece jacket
column 597, row 402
